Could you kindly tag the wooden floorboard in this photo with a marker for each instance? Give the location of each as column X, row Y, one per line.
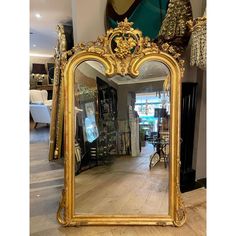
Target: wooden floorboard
column 126, row 186
column 46, row 179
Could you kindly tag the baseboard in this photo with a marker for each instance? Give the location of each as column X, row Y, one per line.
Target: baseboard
column 200, row 183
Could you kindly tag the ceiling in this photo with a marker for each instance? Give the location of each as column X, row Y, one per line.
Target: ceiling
column 149, row 72
column 43, row 35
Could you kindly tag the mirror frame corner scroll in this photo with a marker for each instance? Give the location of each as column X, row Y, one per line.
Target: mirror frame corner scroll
column 130, row 52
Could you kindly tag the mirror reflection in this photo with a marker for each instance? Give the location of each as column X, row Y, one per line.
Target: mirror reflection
column 122, row 128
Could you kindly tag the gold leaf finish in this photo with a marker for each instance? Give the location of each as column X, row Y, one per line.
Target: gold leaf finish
column 124, row 46
column 57, row 99
column 174, row 29
column 198, row 55
column 122, row 51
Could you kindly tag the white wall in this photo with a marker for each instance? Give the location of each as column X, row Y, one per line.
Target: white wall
column 198, row 7
column 88, row 19
column 199, row 151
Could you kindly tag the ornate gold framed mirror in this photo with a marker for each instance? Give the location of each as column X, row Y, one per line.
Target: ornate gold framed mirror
column 56, row 127
column 113, row 192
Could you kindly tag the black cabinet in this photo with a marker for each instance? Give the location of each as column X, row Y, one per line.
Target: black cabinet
column 188, row 112
column 107, row 100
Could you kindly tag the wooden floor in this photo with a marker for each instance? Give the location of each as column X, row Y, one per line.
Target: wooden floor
column 126, row 186
column 46, row 183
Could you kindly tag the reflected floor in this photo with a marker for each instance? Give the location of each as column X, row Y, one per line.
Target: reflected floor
column 125, row 187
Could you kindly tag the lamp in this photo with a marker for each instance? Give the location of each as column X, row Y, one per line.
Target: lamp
column 39, row 71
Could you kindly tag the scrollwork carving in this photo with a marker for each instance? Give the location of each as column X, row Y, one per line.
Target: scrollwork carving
column 121, row 51
column 60, row 215
column 169, row 49
column 180, row 216
column 124, row 44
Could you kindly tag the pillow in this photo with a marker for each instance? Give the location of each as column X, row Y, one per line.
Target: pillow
column 38, row 96
column 48, row 103
column 37, row 102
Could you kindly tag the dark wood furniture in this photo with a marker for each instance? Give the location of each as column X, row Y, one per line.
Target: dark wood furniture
column 188, row 111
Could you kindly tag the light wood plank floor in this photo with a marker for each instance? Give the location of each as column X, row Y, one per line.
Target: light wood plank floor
column 127, row 186
column 46, row 183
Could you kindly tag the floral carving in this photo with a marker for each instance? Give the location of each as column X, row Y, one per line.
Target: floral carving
column 124, row 46
column 125, row 25
column 180, row 217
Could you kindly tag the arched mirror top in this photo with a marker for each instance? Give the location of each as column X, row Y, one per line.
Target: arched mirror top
column 122, row 51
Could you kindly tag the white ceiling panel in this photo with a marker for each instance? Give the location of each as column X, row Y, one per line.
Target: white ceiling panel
column 43, row 35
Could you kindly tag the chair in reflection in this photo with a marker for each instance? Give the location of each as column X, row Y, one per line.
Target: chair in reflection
column 40, row 107
column 160, row 141
column 152, row 138
column 162, row 152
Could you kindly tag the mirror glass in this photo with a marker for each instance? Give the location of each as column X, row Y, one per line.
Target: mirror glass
column 122, row 128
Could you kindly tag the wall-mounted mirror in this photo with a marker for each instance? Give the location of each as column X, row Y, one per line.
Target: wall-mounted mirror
column 122, row 109
column 123, row 140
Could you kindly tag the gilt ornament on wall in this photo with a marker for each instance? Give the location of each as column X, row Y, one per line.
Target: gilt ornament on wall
column 199, row 46
column 124, row 45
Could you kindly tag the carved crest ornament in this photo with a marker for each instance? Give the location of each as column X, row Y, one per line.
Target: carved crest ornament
column 122, row 51
column 122, row 47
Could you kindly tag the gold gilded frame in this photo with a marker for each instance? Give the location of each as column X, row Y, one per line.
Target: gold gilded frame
column 56, row 127
column 130, row 52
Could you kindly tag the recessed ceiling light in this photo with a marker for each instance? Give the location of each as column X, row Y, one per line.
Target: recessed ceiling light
column 38, row 15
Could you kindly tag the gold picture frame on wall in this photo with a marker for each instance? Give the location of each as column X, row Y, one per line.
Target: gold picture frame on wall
column 56, row 127
column 131, row 50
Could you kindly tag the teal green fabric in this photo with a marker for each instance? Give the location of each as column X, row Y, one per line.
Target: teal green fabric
column 147, row 17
